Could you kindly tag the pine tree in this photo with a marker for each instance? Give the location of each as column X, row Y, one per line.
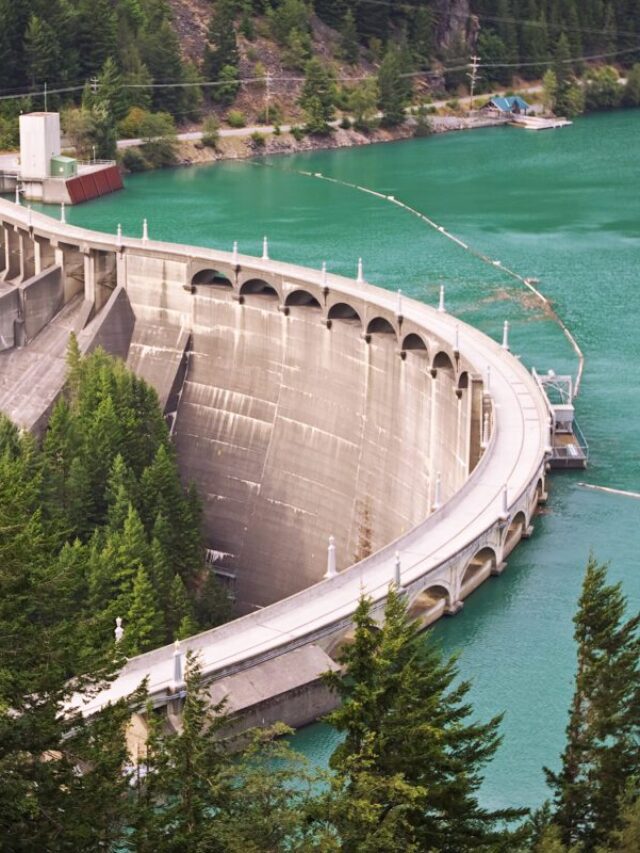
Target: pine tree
column 317, row 97
column 602, row 754
column 144, row 625
column 133, row 553
column 222, row 47
column 121, row 491
column 393, row 88
column 42, row 52
column 349, row 39
column 181, row 622
column 422, row 35
column 408, row 741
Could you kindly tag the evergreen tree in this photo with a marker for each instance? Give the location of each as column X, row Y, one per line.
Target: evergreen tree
column 121, row 492
column 180, row 619
column 349, row 39
column 222, row 47
column 602, row 754
column 409, row 768
column 96, row 32
column 422, row 35
column 144, row 625
column 42, row 52
column 317, row 98
column 393, row 88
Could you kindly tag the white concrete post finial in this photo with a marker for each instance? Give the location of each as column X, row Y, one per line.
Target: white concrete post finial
column 505, row 335
column 437, row 497
column 145, row 230
column 487, row 380
column 331, row 559
column 29, row 215
column 265, row 249
column 360, row 278
column 456, row 345
column 234, row 256
column 397, row 572
column 399, row 303
column 119, row 235
column 177, row 662
column 324, row 273
column 17, row 194
column 63, row 216
column 119, row 630
column 441, row 304
column 505, row 502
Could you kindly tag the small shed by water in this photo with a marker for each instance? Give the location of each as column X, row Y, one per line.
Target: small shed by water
column 513, row 104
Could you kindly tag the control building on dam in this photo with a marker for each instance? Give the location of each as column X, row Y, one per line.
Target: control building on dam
column 303, row 405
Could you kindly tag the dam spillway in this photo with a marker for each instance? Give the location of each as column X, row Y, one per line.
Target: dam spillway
column 302, row 405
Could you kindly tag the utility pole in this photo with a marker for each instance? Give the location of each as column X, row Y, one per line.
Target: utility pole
column 94, row 85
column 473, row 76
column 267, row 97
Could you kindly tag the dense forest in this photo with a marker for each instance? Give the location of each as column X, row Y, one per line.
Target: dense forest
column 132, row 45
column 112, row 530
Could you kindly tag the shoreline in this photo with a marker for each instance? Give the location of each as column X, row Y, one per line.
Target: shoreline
column 193, row 153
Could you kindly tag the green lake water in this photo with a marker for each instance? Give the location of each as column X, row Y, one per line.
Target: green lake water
column 563, row 206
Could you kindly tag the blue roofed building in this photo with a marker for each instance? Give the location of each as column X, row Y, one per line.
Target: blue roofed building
column 513, row 104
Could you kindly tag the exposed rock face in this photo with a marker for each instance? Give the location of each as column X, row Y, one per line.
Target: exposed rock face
column 456, row 25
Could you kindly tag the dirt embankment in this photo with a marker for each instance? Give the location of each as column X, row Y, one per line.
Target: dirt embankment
column 243, row 148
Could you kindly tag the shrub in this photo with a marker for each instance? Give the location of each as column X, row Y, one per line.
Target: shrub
column 258, row 139
column 345, row 123
column 275, row 115
column 129, row 127
column 298, row 133
column 133, row 160
column 210, row 132
column 236, row 119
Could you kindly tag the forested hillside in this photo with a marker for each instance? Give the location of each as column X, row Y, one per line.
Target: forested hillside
column 65, row 43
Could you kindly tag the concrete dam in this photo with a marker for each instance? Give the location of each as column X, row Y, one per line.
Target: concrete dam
column 303, row 405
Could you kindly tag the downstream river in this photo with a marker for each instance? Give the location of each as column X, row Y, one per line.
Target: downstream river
column 562, row 206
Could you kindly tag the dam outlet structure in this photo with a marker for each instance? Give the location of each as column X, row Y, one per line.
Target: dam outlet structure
column 310, row 410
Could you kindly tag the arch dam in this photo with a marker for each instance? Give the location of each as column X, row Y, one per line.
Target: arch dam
column 302, row 404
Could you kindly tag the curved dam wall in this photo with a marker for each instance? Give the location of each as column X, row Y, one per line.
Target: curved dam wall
column 238, row 349
column 295, row 429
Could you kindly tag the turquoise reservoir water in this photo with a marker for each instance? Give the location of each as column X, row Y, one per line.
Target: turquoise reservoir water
column 563, row 206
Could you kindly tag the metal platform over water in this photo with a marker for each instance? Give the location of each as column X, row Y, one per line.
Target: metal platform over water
column 569, row 448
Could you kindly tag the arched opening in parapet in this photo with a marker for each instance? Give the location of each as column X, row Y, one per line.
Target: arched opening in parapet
column 342, row 311
column 463, row 381
column 415, row 344
column 540, row 496
column 429, row 605
column 258, row 287
column 302, row 297
column 478, row 569
column 211, row 277
column 515, row 532
column 380, row 326
column 443, row 363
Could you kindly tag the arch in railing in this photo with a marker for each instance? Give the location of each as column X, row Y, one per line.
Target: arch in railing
column 343, row 311
column 380, row 326
column 258, row 287
column 211, row 277
column 301, row 297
